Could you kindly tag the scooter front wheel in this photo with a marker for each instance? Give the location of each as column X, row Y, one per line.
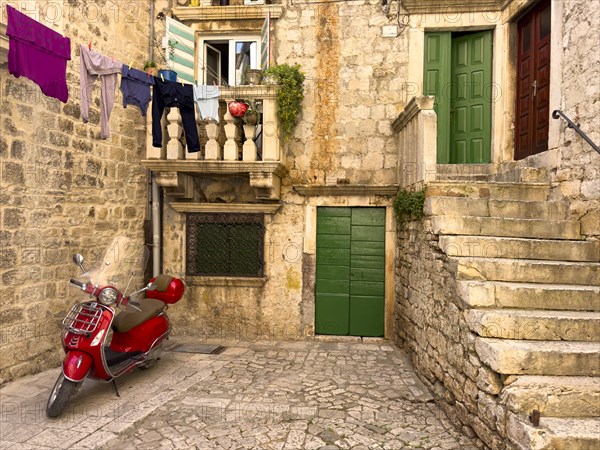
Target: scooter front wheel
column 60, row 395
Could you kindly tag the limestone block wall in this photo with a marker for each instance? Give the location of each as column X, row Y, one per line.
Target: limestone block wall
column 574, row 166
column 353, row 91
column 62, row 189
column 231, row 309
column 429, row 322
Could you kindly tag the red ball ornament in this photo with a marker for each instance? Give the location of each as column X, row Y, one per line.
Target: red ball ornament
column 238, row 109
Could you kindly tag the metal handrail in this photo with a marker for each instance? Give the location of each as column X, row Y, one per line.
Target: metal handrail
column 558, row 113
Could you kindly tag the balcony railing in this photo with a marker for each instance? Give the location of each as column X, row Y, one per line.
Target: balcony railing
column 229, row 147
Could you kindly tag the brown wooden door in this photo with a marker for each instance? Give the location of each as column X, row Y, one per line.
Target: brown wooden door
column 533, row 81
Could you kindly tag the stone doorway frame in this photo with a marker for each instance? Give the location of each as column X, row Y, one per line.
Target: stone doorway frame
column 310, row 246
column 504, row 74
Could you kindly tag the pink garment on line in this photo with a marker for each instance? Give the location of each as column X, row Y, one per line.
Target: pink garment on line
column 94, row 65
column 38, row 53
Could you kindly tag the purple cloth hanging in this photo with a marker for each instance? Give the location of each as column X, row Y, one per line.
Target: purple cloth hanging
column 38, row 53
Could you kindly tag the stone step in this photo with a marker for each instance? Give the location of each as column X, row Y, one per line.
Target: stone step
column 520, row 174
column 500, row 227
column 473, row 172
column 527, row 271
column 520, row 248
column 498, row 294
column 513, row 357
column 535, row 192
column 535, row 325
column 553, row 396
column 481, row 207
column 554, row 433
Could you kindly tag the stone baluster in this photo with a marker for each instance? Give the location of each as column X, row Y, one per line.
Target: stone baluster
column 175, row 130
column 212, row 150
column 249, row 150
column 231, row 130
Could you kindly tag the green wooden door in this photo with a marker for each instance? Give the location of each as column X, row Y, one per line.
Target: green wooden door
column 471, row 109
column 350, row 273
column 458, row 72
column 437, row 83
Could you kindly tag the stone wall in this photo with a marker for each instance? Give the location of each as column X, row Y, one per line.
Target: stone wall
column 351, row 98
column 430, row 324
column 429, row 313
column 232, row 309
column 573, row 165
column 63, row 189
column 353, row 91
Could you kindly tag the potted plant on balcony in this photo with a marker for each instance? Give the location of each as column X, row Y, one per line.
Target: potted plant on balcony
column 289, row 96
column 252, row 114
column 168, row 73
column 150, row 67
column 253, row 76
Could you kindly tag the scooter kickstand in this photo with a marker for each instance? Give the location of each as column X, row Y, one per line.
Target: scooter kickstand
column 116, row 388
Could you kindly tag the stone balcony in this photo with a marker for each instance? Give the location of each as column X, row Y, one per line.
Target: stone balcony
column 229, row 148
column 236, row 17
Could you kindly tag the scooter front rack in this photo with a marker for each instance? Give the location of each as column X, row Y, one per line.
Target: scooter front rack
column 83, row 318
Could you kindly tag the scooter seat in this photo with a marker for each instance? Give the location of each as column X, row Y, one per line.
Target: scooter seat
column 126, row 320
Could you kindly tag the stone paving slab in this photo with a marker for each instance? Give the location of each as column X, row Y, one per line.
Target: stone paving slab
column 320, row 395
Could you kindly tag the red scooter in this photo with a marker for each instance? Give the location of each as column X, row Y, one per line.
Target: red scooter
column 103, row 345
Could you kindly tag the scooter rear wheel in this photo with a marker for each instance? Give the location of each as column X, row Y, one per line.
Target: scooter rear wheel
column 60, row 395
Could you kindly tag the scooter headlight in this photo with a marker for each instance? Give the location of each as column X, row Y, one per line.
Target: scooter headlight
column 108, row 296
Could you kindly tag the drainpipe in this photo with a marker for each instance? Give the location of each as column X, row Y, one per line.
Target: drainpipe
column 155, row 190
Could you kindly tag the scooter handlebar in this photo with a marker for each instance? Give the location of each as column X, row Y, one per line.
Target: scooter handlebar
column 79, row 284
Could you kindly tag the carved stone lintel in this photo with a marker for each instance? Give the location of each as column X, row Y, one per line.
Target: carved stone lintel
column 176, row 184
column 267, row 186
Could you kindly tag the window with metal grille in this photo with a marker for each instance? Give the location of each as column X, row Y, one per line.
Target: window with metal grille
column 225, row 244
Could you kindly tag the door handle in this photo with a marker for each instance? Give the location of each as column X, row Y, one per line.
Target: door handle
column 534, row 87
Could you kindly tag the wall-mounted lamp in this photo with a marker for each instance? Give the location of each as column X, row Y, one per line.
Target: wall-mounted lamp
column 160, row 16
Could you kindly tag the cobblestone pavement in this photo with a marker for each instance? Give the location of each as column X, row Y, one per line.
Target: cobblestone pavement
column 261, row 395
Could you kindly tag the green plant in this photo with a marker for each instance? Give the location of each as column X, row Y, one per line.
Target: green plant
column 290, row 94
column 149, row 64
column 408, row 205
column 164, row 56
column 252, row 114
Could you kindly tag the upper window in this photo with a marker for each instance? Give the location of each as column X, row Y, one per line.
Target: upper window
column 225, row 244
column 225, row 60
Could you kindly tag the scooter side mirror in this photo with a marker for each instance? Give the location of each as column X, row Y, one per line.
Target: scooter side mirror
column 78, row 259
column 150, row 286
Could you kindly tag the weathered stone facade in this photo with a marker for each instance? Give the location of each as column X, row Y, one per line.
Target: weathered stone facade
column 573, row 167
column 344, row 136
column 433, row 318
column 342, row 153
column 430, row 323
column 63, row 190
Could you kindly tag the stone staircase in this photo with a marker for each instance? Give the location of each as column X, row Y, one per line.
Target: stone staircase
column 530, row 288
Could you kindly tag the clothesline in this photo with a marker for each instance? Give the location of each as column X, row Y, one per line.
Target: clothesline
column 41, row 54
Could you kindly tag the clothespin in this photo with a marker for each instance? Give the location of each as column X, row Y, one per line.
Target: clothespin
column 130, row 64
column 161, row 77
column 89, row 45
